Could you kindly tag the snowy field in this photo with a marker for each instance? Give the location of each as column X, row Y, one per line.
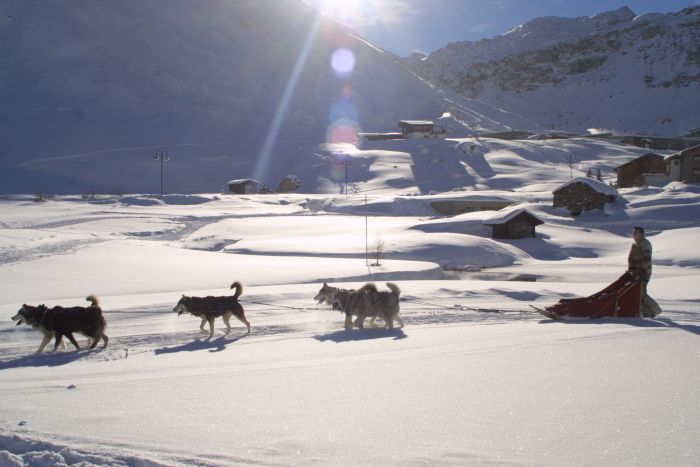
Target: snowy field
column 474, row 378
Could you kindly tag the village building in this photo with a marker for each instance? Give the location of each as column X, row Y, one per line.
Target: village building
column 652, row 142
column 684, row 166
column 410, row 129
column 583, row 194
column 508, row 135
column 244, row 186
column 471, row 203
column 636, row 171
column 422, row 129
column 513, row 223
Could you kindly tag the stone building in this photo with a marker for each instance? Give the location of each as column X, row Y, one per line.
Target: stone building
column 633, row 172
column 583, row 194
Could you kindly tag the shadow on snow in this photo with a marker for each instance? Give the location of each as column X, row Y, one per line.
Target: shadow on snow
column 361, row 335
column 664, row 323
column 48, row 359
column 213, row 345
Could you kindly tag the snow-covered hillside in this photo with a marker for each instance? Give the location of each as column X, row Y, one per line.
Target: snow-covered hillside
column 92, row 89
column 616, row 71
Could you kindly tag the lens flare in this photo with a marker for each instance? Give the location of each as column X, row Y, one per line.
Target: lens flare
column 343, row 109
column 342, row 131
column 343, row 62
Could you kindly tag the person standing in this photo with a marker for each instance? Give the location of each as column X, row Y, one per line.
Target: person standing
column 639, row 258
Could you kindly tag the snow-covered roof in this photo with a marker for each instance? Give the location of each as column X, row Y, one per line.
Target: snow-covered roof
column 242, row 180
column 597, row 185
column 690, row 150
column 416, row 122
column 506, row 214
column 649, row 154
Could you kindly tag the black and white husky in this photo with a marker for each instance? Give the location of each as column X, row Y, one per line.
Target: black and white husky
column 209, row 308
column 59, row 321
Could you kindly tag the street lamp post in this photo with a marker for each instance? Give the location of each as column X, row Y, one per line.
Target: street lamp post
column 570, row 158
column 161, row 156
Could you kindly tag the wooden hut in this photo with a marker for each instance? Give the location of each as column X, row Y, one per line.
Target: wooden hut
column 512, row 223
column 633, row 173
column 684, row 166
column 244, row 186
column 583, row 194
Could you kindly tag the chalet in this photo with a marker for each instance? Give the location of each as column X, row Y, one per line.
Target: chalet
column 636, row 172
column 583, row 194
column 422, row 129
column 684, row 166
column 244, row 186
column 471, row 203
column 513, row 222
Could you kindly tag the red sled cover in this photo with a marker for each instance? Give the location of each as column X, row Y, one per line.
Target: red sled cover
column 622, row 298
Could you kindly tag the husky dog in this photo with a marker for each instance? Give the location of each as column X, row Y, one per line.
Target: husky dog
column 58, row 321
column 384, row 305
column 209, row 308
column 368, row 302
column 326, row 294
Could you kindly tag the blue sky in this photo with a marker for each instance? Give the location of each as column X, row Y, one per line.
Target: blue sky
column 405, row 26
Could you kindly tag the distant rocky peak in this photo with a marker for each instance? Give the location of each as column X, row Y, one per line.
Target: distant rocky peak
column 610, row 18
column 556, row 25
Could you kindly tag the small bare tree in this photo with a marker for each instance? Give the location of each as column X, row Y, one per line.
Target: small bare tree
column 378, row 251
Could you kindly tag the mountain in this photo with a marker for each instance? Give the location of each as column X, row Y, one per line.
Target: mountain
column 616, row 70
column 92, row 89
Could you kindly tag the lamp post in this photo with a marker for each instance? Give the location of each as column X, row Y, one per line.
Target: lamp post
column 161, row 156
column 570, row 158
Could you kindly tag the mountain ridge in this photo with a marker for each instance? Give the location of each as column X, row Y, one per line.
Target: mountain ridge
column 605, row 56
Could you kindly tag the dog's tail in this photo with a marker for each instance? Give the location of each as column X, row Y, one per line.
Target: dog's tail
column 394, row 288
column 239, row 289
column 369, row 286
column 93, row 300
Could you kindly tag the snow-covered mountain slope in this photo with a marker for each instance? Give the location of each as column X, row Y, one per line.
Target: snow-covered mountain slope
column 92, row 89
column 618, row 71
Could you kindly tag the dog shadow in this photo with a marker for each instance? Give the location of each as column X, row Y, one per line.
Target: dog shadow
column 212, row 345
column 362, row 335
column 48, row 359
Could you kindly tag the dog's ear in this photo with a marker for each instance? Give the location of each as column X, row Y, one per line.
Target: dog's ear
column 325, row 285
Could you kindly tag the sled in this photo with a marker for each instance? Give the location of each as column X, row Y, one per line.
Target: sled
column 548, row 314
column 621, row 299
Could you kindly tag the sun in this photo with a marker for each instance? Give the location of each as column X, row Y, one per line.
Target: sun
column 354, row 13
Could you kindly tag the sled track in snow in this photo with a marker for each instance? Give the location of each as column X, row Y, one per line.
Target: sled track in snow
column 16, row 255
column 188, row 341
column 684, row 315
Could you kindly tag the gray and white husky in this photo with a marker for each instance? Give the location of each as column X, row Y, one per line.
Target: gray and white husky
column 369, row 302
